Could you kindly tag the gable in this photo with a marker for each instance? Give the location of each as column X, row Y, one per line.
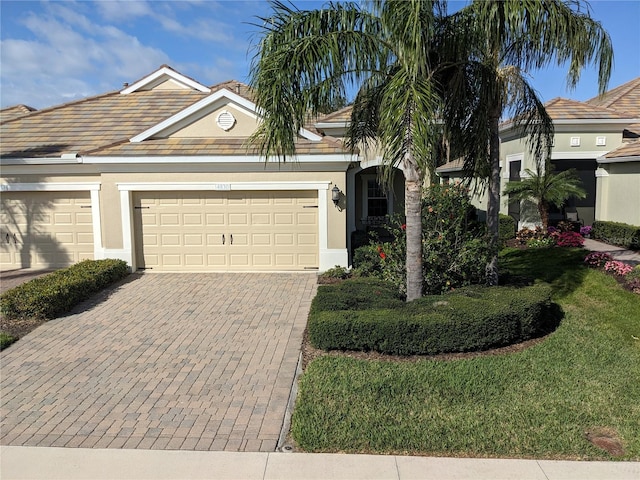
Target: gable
column 219, row 120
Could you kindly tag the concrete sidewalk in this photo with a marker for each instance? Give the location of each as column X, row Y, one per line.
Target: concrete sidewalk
column 78, row 463
column 618, row 253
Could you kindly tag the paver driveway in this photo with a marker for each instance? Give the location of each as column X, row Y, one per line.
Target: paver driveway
column 164, row 361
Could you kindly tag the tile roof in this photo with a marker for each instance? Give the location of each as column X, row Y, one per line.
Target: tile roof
column 625, row 98
column 90, row 123
column 565, row 109
column 631, row 149
column 102, row 126
column 15, row 111
column 209, row 147
column 342, row 115
column 456, row 165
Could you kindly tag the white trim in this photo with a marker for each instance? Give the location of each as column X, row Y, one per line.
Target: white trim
column 601, row 172
column 127, row 228
column 629, row 158
column 581, row 121
column 218, row 159
column 164, row 71
column 50, row 187
column 323, row 222
column 514, row 157
column 191, row 110
column 328, row 125
column 40, row 161
column 205, row 102
column 590, row 155
column 217, row 186
column 329, row 258
column 96, row 221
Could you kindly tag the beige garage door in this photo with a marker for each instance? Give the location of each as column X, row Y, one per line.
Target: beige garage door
column 45, row 229
column 226, row 231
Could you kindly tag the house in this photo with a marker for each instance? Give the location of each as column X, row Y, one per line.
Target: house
column 600, row 138
column 160, row 174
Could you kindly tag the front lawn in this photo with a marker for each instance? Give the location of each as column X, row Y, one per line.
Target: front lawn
column 542, row 402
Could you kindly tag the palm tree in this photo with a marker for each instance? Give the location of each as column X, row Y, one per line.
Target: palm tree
column 504, row 39
column 308, row 59
column 546, row 188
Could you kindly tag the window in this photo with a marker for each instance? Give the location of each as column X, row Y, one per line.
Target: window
column 376, row 200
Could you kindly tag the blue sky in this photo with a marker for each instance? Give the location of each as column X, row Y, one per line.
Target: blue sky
column 57, row 51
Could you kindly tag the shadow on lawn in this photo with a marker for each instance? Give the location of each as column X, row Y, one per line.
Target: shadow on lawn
column 563, row 268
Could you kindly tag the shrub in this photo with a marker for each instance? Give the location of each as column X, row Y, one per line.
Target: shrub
column 525, row 235
column 468, row 319
column 334, row 274
column 617, row 268
column 585, row 231
column 634, row 273
column 614, row 233
column 570, row 239
column 542, row 242
column 506, row 228
column 357, row 294
column 51, row 295
column 597, row 259
column 454, row 250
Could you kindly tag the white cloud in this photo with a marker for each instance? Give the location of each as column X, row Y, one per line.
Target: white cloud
column 67, row 50
column 117, row 10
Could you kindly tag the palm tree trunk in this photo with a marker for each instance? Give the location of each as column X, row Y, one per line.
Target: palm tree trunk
column 413, row 213
column 493, row 200
column 543, row 211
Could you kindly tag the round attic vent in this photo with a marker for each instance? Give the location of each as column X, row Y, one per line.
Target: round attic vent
column 225, row 120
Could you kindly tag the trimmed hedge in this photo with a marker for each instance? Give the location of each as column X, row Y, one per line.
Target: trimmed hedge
column 506, row 228
column 51, row 295
column 615, row 233
column 469, row 319
column 357, row 294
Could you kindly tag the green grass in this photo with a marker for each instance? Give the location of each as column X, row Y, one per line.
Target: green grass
column 537, row 403
column 6, row 340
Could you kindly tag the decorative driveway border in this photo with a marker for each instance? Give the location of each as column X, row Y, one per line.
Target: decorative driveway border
column 188, row 361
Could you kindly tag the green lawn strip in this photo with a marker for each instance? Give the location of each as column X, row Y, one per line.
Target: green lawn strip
column 6, row 340
column 536, row 403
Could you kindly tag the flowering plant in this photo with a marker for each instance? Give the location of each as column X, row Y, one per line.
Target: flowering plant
column 585, row 231
column 570, row 239
column 617, row 268
column 597, row 259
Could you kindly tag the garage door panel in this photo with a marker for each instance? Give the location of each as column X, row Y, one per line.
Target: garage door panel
column 215, row 219
column 193, row 240
column 261, row 239
column 239, row 260
column 194, row 260
column 240, row 219
column 260, row 219
column 63, row 219
column 228, row 230
column 83, row 219
column 192, row 219
column 262, row 260
column 170, row 239
column 283, row 219
column 171, row 260
column 46, row 229
column 169, row 219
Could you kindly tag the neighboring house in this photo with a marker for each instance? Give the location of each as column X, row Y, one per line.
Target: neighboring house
column 160, row 174
column 600, row 138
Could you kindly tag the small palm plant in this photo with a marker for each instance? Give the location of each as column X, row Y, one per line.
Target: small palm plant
column 546, row 187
